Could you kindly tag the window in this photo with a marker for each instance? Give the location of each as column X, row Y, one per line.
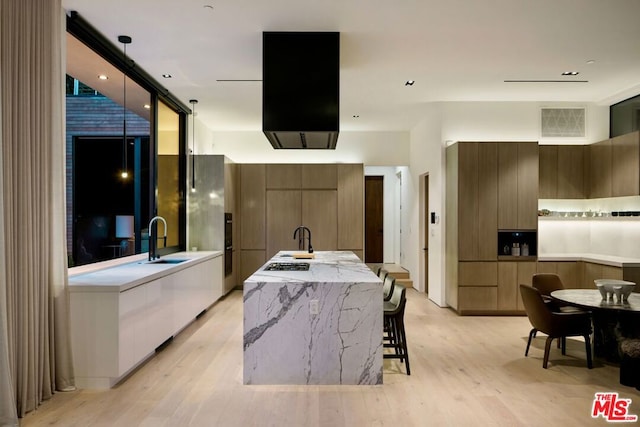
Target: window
column 107, row 213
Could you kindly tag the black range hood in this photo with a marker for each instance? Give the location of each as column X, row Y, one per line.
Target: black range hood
column 301, row 89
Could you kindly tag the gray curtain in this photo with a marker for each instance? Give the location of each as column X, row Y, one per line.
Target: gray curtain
column 35, row 348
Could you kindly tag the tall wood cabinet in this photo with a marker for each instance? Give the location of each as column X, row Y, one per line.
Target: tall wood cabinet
column 490, row 187
column 277, row 198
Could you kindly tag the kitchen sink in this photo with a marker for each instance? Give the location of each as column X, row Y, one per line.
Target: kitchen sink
column 287, row 266
column 167, row 261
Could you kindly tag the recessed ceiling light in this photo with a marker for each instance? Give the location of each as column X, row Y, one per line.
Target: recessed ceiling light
column 409, row 82
column 591, row 61
column 166, row 76
column 103, row 77
column 355, row 116
column 147, row 106
column 570, row 73
column 208, row 6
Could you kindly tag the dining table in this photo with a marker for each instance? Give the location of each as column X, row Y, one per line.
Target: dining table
column 612, row 319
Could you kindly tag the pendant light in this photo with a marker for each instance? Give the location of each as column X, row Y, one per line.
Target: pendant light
column 125, row 40
column 193, row 103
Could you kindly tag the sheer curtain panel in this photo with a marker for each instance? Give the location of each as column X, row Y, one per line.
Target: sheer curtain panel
column 33, row 280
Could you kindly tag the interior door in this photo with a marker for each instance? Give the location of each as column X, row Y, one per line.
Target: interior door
column 373, row 219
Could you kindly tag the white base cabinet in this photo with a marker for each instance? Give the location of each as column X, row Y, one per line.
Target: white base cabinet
column 114, row 332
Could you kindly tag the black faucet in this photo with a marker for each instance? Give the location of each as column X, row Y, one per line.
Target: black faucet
column 300, row 238
column 153, row 238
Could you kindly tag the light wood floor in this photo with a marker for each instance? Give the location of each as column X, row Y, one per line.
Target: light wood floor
column 465, row 371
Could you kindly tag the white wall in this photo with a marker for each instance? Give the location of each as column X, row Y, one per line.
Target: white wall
column 369, row 148
column 427, row 157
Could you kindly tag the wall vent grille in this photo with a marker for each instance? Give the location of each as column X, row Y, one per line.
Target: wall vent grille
column 563, row 122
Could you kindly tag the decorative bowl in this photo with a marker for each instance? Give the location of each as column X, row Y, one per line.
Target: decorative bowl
column 610, row 287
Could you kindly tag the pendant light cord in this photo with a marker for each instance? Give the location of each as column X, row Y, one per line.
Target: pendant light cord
column 125, row 40
column 193, row 143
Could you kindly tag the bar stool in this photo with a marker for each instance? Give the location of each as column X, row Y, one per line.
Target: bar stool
column 389, row 283
column 394, row 333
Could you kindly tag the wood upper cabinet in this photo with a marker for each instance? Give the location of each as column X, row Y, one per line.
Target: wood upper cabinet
column 518, row 185
column 252, row 206
column 508, row 186
column 467, row 193
column 283, row 176
column 284, row 215
column 548, row 175
column 571, row 171
column 487, row 201
column 320, row 213
column 350, row 206
column 477, row 201
column 625, row 165
column 320, row 176
column 562, row 172
column 527, row 185
column 600, row 169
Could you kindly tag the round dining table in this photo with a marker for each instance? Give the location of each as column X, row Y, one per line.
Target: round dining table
column 612, row 319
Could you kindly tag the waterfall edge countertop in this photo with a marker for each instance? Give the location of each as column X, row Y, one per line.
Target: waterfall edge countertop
column 127, row 275
column 321, row 326
column 325, row 267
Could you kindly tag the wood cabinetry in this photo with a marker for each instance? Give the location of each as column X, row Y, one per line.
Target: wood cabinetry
column 518, row 186
column 351, row 207
column 570, row 272
column 593, row 271
column 571, row 172
column 548, row 173
column 320, row 176
column 625, row 165
column 283, row 176
column 484, row 186
column 510, row 276
column 320, row 212
column 277, row 198
column 284, row 215
column 600, row 169
column 562, row 172
column 478, row 199
column 252, row 207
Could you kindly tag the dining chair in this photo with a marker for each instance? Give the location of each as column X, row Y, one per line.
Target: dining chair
column 546, row 283
column 554, row 324
column 382, row 273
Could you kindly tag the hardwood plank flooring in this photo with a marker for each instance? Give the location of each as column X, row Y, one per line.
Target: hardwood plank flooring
column 465, row 371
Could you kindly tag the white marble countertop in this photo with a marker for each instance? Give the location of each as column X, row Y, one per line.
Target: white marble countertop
column 325, row 267
column 127, row 275
column 611, row 260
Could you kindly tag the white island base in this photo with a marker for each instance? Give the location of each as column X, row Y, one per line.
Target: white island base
column 285, row 342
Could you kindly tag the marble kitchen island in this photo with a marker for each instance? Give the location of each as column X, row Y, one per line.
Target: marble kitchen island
column 321, row 326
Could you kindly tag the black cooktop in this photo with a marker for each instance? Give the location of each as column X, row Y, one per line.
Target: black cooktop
column 287, row 266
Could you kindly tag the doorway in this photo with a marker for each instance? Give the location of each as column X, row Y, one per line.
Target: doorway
column 373, row 219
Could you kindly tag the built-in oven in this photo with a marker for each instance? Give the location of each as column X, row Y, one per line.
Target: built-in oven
column 228, row 243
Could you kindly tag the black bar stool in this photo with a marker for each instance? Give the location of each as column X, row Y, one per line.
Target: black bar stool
column 394, row 333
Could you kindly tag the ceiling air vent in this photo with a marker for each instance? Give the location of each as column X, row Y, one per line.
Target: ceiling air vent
column 563, row 122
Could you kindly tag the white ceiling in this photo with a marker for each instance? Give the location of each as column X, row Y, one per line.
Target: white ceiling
column 455, row 50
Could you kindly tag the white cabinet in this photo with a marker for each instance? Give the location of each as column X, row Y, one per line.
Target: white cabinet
column 113, row 332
